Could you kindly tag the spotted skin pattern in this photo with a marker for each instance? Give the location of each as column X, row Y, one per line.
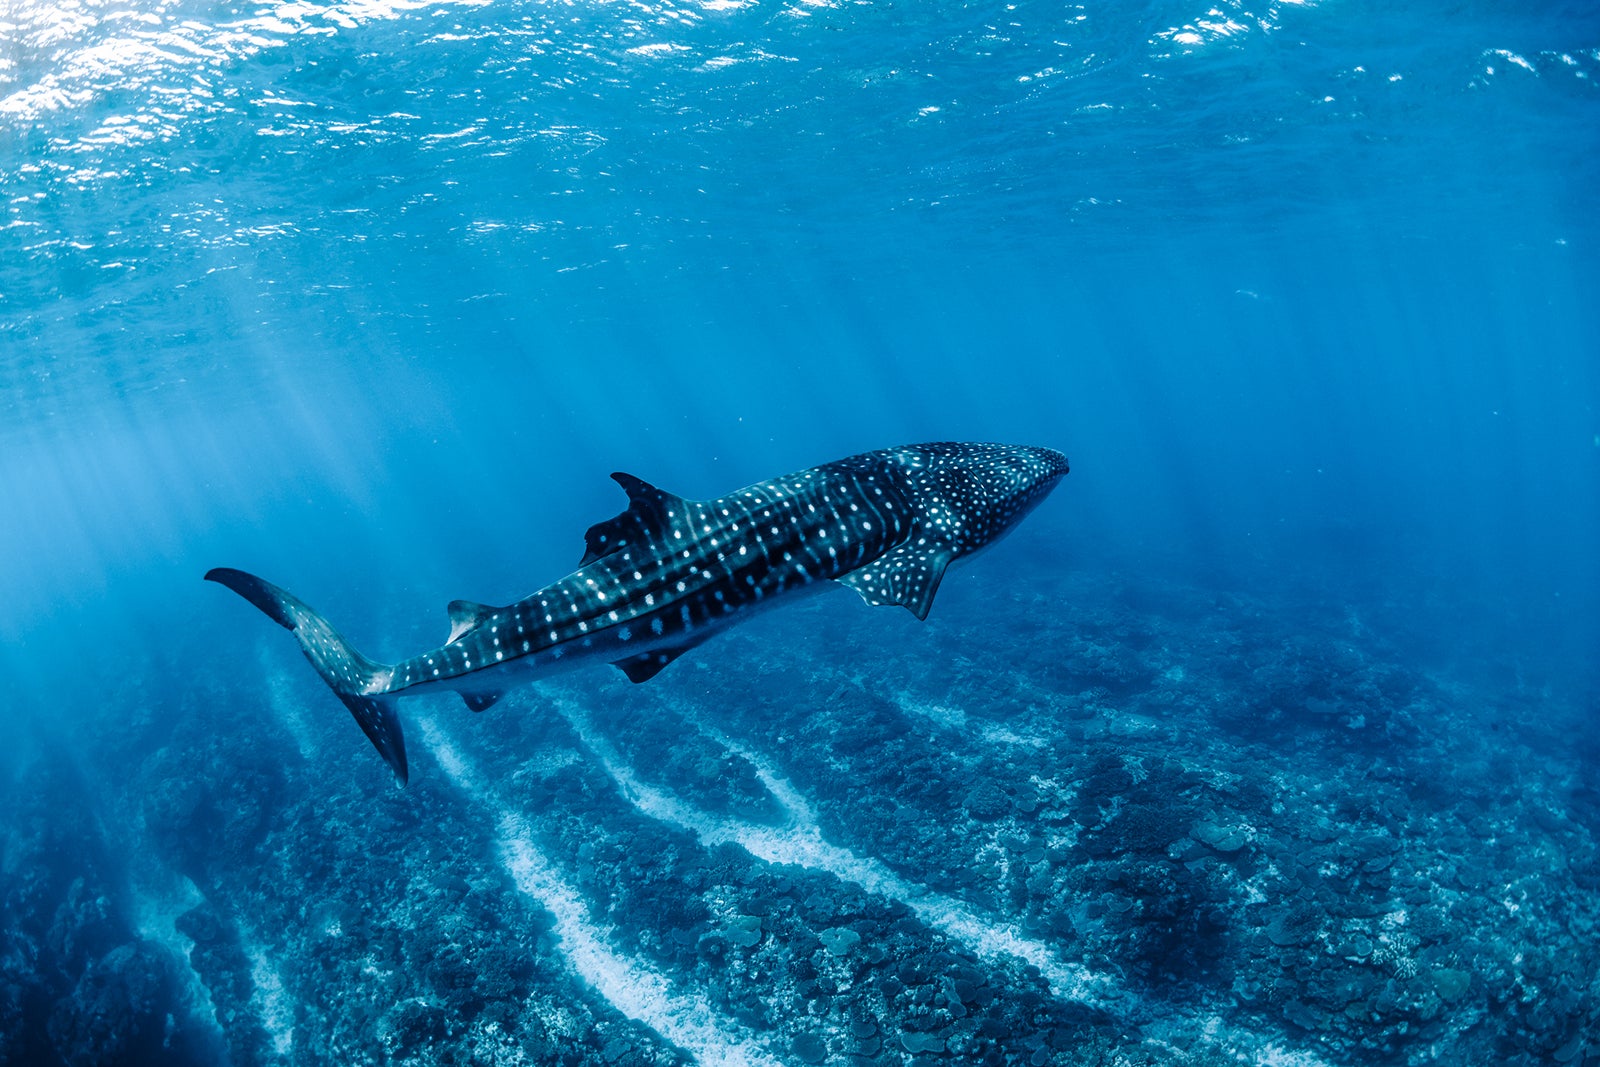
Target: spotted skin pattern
column 667, row 573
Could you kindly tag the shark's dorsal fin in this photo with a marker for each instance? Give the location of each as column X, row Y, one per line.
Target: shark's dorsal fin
column 908, row 575
column 647, row 514
column 464, row 616
column 481, row 701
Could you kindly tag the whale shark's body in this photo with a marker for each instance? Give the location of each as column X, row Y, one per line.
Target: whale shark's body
column 668, row 573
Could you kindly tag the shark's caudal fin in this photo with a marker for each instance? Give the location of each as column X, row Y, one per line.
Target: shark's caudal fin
column 350, row 674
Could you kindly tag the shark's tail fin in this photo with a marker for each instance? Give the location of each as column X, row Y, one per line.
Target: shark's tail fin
column 357, row 680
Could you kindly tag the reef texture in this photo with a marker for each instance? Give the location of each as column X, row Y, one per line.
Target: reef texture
column 1103, row 822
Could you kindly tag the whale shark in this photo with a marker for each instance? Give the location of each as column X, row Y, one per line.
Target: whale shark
column 669, row 572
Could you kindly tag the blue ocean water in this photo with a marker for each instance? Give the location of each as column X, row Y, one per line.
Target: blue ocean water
column 1270, row 737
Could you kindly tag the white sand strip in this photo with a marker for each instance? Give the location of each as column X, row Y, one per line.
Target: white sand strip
column 802, row 843
column 634, row 987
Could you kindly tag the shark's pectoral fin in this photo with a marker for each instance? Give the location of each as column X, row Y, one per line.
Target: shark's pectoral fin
column 481, row 701
column 647, row 513
column 908, row 576
column 643, row 667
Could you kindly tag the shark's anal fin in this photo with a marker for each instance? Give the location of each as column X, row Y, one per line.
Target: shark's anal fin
column 647, row 514
column 908, row 575
column 643, row 667
column 481, row 701
column 464, row 616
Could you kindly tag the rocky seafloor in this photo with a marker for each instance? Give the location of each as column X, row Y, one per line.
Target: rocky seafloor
column 1100, row 821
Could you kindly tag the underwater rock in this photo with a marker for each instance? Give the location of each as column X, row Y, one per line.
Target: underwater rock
column 987, row 802
column 1224, row 839
column 411, row 1026
column 1569, row 1051
column 200, row 923
column 1141, row 828
column 839, row 941
column 915, row 1043
column 117, row 1012
column 743, row 930
column 1450, row 984
column 810, row 1048
column 83, row 928
column 1357, row 947
column 1303, row 1015
column 1298, row 925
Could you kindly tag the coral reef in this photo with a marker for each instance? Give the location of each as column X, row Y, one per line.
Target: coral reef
column 1168, row 826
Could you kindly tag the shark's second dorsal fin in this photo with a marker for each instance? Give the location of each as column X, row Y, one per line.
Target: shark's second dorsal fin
column 464, row 616
column 908, row 576
column 647, row 514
